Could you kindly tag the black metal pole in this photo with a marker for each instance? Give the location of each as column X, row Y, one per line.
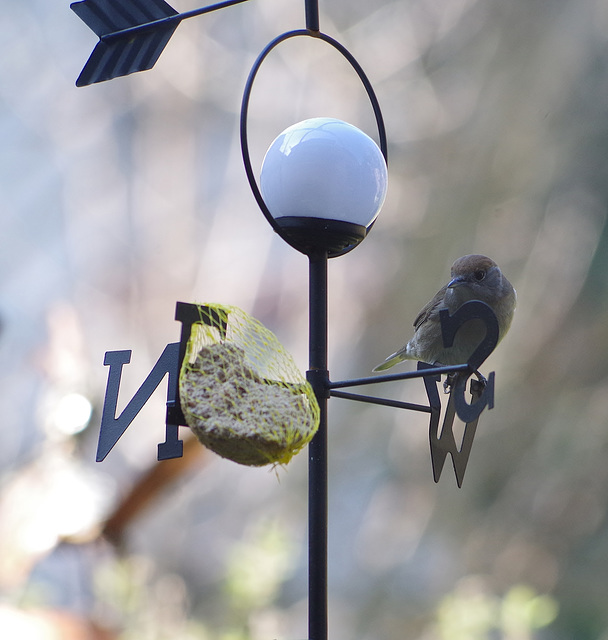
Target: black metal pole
column 317, row 451
column 312, row 15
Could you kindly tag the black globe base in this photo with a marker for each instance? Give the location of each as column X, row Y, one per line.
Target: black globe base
column 313, row 235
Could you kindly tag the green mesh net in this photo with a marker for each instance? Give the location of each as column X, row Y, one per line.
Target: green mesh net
column 241, row 392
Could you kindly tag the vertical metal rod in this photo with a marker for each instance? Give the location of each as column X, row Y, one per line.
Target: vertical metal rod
column 312, row 15
column 317, row 451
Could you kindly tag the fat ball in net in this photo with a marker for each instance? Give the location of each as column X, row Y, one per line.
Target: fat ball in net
column 241, row 392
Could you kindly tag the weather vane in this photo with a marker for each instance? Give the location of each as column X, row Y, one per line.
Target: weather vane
column 332, row 184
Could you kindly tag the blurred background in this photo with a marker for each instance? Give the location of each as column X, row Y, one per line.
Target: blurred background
column 122, row 198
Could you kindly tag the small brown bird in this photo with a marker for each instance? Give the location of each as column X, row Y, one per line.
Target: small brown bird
column 474, row 277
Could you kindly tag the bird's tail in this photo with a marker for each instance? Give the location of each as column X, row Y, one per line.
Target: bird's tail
column 391, row 361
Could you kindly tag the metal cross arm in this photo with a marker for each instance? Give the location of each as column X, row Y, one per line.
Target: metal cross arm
column 392, row 377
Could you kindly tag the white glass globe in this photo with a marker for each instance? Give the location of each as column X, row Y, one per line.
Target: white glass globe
column 324, row 168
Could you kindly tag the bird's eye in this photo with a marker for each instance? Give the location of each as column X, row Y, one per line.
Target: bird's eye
column 479, row 275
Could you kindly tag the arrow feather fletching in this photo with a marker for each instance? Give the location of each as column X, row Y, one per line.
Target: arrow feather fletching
column 107, row 16
column 132, row 34
column 123, row 55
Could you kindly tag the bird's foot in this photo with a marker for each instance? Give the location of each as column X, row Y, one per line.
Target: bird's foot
column 481, row 380
column 477, row 386
column 449, row 382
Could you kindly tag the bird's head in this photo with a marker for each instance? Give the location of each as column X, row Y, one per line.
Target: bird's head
column 476, row 277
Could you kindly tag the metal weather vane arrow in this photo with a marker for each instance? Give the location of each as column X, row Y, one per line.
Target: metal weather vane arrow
column 132, row 34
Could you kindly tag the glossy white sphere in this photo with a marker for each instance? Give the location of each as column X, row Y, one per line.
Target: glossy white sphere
column 324, row 168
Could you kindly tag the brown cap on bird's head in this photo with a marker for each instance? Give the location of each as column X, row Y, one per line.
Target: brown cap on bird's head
column 469, row 268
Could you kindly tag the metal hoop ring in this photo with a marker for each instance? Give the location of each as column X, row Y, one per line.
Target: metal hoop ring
column 245, row 110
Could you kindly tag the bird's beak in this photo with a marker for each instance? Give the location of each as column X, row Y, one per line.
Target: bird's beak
column 456, row 282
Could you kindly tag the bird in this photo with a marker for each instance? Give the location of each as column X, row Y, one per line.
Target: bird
column 473, row 277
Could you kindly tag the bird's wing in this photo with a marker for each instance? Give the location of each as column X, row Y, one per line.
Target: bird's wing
column 431, row 309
